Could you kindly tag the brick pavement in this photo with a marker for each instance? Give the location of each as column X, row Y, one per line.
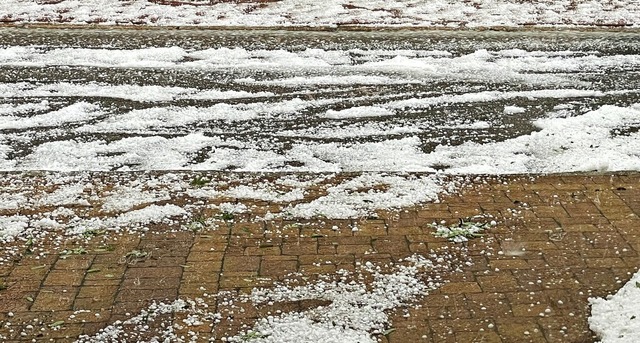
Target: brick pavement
column 559, row 240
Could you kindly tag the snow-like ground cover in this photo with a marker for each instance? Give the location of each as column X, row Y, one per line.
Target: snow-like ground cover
column 615, row 319
column 594, row 140
column 129, row 92
column 95, row 206
column 373, row 67
column 355, row 311
column 65, row 206
column 379, row 113
column 331, row 13
column 318, row 127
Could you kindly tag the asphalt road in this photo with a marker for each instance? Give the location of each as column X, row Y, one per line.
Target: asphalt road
column 445, row 88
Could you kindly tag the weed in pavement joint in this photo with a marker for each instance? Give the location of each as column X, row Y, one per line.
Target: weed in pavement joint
column 227, row 216
column 74, row 251
column 462, row 232
column 199, row 182
column 135, row 256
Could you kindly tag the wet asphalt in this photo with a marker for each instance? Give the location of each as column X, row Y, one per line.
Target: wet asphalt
column 433, row 120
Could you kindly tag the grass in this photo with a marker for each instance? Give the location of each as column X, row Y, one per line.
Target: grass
column 57, row 324
column 198, row 223
column 105, row 248
column 29, row 246
column 134, row 256
column 74, row 251
column 292, row 226
column 93, row 233
column 227, row 216
column 200, row 219
column 252, row 335
column 387, row 332
column 461, row 232
column 137, row 254
column 199, row 182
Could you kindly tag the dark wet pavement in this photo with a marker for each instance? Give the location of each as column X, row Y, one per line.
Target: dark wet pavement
column 445, row 123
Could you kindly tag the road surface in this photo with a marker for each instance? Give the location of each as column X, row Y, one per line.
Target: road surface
column 95, row 99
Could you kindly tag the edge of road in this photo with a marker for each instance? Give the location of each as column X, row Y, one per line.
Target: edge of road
column 40, row 172
column 330, row 28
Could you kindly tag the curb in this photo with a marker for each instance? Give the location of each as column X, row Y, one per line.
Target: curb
column 331, row 28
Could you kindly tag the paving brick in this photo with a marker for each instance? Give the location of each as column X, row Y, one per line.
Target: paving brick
column 425, row 238
column 444, row 312
column 531, row 310
column 199, row 256
column 300, row 247
column 510, row 264
column 418, row 248
column 606, row 262
column 377, row 228
column 600, row 279
column 353, row 249
column 36, row 272
column 153, row 272
column 241, row 264
column 407, row 230
column 146, row 295
column 525, row 297
column 461, row 287
column 561, row 331
column 327, row 259
column 550, row 211
column 193, row 285
column 327, row 249
column 478, row 337
column 96, row 302
column 412, row 333
column 431, row 214
column 262, row 250
column 64, row 278
column 398, row 246
column 468, row 210
column 318, row 269
column 581, row 209
column 214, row 243
column 73, row 262
column 511, row 330
column 492, row 305
column 278, row 268
column 54, row 299
column 557, row 258
column 577, row 237
column 92, row 291
column 582, row 223
column 242, row 281
column 150, row 283
column 497, row 283
column 349, row 240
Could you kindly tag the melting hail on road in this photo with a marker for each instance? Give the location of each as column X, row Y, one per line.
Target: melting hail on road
column 268, row 101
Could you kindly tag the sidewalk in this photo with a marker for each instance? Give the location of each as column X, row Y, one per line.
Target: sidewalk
column 559, row 240
column 478, row 14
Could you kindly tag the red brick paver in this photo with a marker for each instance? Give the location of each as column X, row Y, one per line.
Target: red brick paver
column 560, row 239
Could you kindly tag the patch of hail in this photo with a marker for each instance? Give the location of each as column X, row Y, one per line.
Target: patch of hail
column 351, row 306
column 66, row 206
column 366, row 193
column 616, row 317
